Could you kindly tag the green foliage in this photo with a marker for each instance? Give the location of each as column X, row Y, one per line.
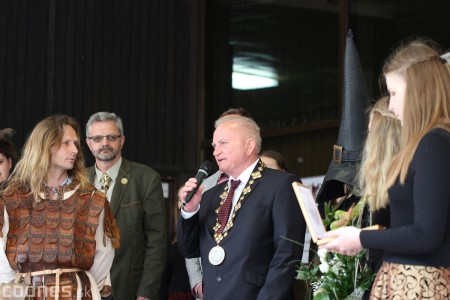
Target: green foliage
column 334, row 276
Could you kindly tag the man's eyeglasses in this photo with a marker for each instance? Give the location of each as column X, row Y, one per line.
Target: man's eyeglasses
column 109, row 137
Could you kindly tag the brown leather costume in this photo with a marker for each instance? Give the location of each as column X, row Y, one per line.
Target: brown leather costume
column 54, row 234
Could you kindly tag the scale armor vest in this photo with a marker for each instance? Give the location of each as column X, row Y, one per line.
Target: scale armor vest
column 52, row 233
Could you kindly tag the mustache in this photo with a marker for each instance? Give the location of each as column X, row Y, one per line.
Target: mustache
column 106, row 148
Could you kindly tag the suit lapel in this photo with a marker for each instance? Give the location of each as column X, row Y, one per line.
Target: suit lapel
column 91, row 174
column 256, row 175
column 120, row 186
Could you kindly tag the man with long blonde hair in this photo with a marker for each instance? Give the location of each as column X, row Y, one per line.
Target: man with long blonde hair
column 56, row 229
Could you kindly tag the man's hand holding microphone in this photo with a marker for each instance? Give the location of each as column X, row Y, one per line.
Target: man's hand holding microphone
column 191, row 193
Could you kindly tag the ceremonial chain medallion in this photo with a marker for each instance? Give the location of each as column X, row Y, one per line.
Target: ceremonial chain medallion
column 217, row 253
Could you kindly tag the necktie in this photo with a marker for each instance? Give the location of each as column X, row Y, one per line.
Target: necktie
column 105, row 181
column 225, row 209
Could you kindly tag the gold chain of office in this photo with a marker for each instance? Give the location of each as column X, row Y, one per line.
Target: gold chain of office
column 247, row 189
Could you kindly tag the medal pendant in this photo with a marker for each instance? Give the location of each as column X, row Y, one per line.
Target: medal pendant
column 216, row 255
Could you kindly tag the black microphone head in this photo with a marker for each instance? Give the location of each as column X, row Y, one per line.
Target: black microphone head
column 203, row 172
column 206, row 166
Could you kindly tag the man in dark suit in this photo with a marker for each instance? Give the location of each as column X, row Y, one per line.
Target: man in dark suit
column 193, row 265
column 245, row 255
column 136, row 197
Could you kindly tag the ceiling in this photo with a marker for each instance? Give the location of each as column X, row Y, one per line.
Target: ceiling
column 299, row 40
column 257, row 24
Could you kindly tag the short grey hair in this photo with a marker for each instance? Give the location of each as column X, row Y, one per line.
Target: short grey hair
column 104, row 116
column 248, row 124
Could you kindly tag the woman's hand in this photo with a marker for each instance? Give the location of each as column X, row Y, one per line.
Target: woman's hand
column 345, row 241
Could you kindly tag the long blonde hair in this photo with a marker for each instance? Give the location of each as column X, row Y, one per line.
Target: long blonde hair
column 427, row 98
column 381, row 145
column 36, row 161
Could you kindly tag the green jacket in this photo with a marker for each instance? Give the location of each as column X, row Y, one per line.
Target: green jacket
column 138, row 206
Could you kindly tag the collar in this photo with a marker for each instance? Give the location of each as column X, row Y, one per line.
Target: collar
column 222, row 177
column 113, row 172
column 245, row 176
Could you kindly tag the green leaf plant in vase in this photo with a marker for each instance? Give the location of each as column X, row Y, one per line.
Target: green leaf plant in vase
column 333, row 276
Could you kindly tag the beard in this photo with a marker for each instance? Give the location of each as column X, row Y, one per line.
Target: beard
column 106, row 154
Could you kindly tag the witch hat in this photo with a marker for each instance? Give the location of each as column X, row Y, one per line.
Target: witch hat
column 347, row 151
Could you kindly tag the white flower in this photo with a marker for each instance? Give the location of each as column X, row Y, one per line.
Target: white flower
column 322, row 253
column 337, row 267
column 324, row 267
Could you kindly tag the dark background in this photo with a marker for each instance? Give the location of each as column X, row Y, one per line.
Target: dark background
column 165, row 67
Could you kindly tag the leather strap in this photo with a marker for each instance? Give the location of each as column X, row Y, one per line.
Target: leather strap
column 27, row 276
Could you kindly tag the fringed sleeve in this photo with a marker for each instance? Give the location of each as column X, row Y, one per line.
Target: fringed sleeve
column 110, row 226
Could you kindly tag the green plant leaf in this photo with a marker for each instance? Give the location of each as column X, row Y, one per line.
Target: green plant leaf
column 347, row 273
column 358, row 209
column 337, row 224
column 340, row 214
column 322, row 295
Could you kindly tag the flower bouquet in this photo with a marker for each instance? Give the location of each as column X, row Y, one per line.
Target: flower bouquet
column 335, row 276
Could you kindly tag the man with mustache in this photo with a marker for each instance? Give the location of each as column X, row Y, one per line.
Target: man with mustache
column 135, row 194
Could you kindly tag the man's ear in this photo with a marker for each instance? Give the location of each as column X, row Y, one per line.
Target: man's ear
column 250, row 145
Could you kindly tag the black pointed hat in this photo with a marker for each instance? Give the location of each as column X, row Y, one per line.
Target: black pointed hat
column 347, row 151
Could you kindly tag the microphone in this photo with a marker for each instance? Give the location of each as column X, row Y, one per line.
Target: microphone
column 202, row 173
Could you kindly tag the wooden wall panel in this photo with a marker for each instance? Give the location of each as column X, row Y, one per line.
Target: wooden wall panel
column 22, row 84
column 137, row 58
column 142, row 59
column 308, row 151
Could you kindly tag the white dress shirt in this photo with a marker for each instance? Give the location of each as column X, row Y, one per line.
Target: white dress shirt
column 244, row 177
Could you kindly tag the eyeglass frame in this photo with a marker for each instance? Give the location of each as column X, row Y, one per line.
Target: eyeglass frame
column 109, row 138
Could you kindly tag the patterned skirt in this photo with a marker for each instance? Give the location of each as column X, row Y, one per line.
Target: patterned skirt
column 397, row 281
